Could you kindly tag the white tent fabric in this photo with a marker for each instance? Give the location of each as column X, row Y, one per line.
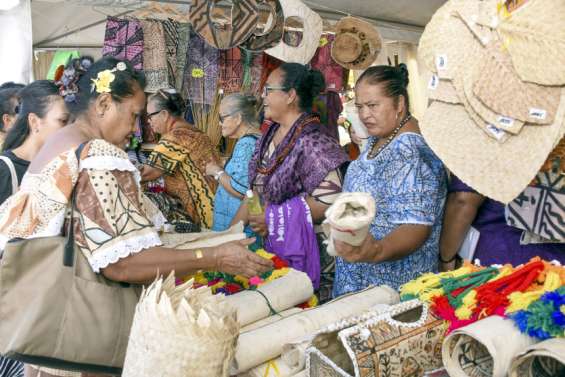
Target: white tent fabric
column 16, row 43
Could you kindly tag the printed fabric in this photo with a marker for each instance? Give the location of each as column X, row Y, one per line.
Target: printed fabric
column 155, row 59
column 124, row 40
column 112, row 220
column 182, row 155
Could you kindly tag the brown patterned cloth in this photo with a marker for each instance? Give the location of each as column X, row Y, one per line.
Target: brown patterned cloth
column 184, row 35
column 172, row 38
column 183, row 154
column 231, row 71
column 155, row 63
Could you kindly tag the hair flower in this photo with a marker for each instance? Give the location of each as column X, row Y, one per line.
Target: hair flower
column 121, row 66
column 103, row 81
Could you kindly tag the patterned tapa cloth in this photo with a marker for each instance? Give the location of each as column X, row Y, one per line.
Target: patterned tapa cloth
column 155, row 63
column 183, row 154
column 124, row 40
column 172, row 39
column 231, row 71
column 182, row 54
column 202, row 71
column 323, row 62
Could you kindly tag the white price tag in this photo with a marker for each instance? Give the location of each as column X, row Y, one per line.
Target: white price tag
column 434, row 82
column 540, row 114
column 496, row 132
column 441, row 62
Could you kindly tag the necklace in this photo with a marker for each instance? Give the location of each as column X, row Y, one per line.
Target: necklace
column 374, row 153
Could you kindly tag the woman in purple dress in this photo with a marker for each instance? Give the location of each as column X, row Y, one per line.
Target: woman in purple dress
column 498, row 243
column 295, row 171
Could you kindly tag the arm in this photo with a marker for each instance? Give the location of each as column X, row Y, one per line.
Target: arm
column 460, row 212
column 232, row 258
column 149, row 173
column 225, row 180
column 398, row 244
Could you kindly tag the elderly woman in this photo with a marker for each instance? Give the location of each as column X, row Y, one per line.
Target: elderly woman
column 407, row 181
column 238, row 117
column 181, row 157
column 113, row 226
column 295, row 172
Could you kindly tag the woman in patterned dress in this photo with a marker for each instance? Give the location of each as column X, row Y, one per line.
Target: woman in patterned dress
column 181, row 157
column 407, row 181
column 115, row 227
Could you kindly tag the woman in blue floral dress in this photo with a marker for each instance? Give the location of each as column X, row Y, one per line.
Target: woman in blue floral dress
column 238, row 118
column 407, row 181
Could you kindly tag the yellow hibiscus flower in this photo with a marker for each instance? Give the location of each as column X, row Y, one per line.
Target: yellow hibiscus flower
column 103, row 81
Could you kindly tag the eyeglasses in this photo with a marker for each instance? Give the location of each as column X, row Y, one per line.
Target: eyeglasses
column 223, row 117
column 153, row 114
column 267, row 89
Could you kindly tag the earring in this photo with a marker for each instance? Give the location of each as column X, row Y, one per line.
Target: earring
column 100, row 115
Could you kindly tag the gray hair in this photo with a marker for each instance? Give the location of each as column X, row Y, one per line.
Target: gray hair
column 243, row 104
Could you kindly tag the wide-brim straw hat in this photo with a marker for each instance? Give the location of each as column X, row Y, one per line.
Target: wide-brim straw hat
column 273, row 31
column 231, row 31
column 357, row 43
column 534, row 35
column 500, row 171
column 313, row 27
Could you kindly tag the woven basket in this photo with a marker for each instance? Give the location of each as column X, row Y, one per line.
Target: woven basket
column 181, row 331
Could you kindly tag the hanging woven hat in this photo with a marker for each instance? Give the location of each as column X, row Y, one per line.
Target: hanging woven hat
column 500, row 171
column 433, row 35
column 224, row 29
column 500, row 89
column 534, row 35
column 470, row 11
column 270, row 26
column 313, row 26
column 357, row 43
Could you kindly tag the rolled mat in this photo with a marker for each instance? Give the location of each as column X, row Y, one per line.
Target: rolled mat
column 543, row 359
column 483, row 348
column 272, row 368
column 199, row 240
column 283, row 293
column 266, row 343
column 272, row 319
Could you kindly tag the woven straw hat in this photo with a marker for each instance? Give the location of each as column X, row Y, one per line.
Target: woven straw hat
column 431, row 39
column 500, row 89
column 313, row 27
column 262, row 40
column 227, row 33
column 357, row 43
column 500, row 171
column 470, row 11
column 181, row 331
column 535, row 37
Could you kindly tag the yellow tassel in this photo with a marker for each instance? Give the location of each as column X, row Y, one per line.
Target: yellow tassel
column 427, row 286
column 521, row 300
column 264, row 254
column 466, row 309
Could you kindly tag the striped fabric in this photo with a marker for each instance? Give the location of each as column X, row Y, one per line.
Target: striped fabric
column 11, row 368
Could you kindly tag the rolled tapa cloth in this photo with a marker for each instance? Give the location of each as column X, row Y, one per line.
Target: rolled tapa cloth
column 192, row 241
column 266, row 343
column 271, row 319
column 349, row 218
column 543, row 359
column 281, row 294
column 272, row 368
column 484, row 348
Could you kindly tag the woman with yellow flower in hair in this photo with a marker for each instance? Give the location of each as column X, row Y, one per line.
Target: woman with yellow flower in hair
column 181, row 157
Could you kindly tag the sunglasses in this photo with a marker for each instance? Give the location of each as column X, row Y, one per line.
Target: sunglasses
column 267, row 89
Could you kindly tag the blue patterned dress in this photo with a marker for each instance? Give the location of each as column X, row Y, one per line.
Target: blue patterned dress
column 409, row 184
column 225, row 204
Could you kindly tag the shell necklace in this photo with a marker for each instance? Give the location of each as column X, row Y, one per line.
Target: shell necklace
column 374, row 153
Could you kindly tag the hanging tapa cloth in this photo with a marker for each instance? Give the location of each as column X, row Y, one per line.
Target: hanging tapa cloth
column 184, row 34
column 269, row 64
column 202, row 71
column 124, row 40
column 252, row 71
column 322, row 61
column 231, row 70
column 155, row 56
column 171, row 29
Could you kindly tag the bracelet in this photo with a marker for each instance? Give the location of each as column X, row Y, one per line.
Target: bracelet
column 198, row 254
column 218, row 175
column 448, row 261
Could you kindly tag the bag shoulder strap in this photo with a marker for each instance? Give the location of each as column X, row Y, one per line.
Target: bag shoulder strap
column 10, row 164
column 69, row 254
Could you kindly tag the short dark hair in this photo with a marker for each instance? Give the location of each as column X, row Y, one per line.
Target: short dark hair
column 394, row 79
column 170, row 100
column 11, row 85
column 123, row 86
column 8, row 103
column 34, row 98
column 307, row 82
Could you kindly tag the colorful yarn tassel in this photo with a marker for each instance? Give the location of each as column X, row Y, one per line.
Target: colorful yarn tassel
column 544, row 318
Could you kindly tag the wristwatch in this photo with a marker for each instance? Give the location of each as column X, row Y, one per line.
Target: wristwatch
column 218, row 175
